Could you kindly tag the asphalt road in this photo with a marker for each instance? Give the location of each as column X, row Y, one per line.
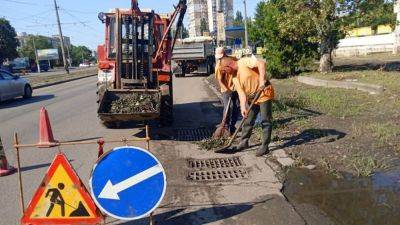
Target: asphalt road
column 72, row 110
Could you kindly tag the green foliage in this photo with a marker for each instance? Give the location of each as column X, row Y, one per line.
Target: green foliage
column 239, row 20
column 371, row 13
column 80, row 54
column 28, row 49
column 296, row 32
column 8, row 41
column 203, row 26
column 284, row 29
column 183, row 33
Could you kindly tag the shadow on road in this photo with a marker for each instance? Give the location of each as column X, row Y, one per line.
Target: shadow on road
column 204, row 215
column 20, row 101
column 34, row 167
column 192, row 122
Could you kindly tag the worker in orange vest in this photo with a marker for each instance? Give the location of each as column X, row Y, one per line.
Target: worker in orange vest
column 225, row 81
column 251, row 78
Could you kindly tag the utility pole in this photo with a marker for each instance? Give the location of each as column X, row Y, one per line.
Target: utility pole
column 36, row 55
column 69, row 56
column 61, row 38
column 246, row 33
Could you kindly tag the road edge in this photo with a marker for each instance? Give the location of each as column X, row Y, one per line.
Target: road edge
column 61, row 82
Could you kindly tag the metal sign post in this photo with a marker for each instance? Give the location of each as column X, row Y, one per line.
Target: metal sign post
column 56, row 172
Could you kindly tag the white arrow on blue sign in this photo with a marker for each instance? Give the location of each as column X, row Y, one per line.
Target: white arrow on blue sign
column 128, row 183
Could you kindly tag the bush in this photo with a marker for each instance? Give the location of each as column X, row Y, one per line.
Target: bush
column 286, row 40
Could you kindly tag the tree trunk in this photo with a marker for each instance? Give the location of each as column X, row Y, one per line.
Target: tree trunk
column 325, row 63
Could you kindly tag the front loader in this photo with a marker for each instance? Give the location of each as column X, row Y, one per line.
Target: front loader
column 135, row 75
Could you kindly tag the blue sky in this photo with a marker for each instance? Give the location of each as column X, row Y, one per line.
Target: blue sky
column 79, row 17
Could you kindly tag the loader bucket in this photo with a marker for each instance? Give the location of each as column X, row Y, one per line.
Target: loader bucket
column 124, row 105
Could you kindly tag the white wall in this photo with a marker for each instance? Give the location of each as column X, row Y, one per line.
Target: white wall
column 354, row 46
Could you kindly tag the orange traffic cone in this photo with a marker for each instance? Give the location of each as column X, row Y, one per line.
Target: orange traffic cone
column 46, row 139
column 5, row 169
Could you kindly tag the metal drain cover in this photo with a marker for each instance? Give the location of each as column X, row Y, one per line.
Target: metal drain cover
column 217, row 163
column 193, row 134
column 218, row 175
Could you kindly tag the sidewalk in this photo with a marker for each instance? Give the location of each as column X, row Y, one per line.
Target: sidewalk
column 252, row 197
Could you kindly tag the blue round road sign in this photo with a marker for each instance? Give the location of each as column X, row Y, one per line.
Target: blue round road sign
column 128, row 183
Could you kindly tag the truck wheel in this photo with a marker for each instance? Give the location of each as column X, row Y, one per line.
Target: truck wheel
column 166, row 108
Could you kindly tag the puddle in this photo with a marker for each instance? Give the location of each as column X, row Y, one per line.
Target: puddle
column 351, row 200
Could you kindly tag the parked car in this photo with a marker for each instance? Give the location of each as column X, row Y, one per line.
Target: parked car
column 20, row 64
column 44, row 67
column 12, row 86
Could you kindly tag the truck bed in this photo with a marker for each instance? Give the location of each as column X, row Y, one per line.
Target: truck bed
column 192, row 51
column 106, row 114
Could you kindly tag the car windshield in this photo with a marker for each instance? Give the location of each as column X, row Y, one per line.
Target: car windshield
column 6, row 76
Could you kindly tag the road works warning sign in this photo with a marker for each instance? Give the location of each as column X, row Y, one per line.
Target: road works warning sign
column 61, row 198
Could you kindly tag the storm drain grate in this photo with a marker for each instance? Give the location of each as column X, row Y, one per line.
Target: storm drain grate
column 215, row 163
column 193, row 134
column 218, row 175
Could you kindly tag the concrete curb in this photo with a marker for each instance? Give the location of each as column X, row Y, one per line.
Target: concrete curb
column 61, row 82
column 370, row 88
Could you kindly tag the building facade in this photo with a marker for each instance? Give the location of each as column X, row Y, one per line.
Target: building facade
column 198, row 11
column 54, row 40
column 207, row 10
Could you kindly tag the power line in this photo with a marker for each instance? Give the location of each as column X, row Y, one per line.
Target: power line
column 78, row 11
column 20, row 2
column 56, row 24
column 24, row 3
column 82, row 23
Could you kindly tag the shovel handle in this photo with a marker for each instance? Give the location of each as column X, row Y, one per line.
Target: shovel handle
column 223, row 122
column 244, row 119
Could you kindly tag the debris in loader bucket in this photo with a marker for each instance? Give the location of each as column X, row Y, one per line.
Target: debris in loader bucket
column 135, row 103
column 211, row 143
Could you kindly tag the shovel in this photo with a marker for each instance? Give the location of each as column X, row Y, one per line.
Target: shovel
column 222, row 131
column 219, row 150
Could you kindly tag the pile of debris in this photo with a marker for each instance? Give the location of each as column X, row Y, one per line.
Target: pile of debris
column 136, row 103
column 212, row 144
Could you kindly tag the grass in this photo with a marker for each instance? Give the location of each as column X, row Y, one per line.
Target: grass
column 329, row 168
column 389, row 80
column 365, row 165
column 384, row 132
column 334, row 102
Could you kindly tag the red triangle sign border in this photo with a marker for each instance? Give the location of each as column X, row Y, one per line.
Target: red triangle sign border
column 62, row 160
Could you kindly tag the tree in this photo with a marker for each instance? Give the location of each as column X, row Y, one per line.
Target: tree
column 184, row 33
column 8, row 41
column 328, row 18
column 238, row 21
column 203, row 26
column 371, row 13
column 80, row 54
column 288, row 47
column 28, row 49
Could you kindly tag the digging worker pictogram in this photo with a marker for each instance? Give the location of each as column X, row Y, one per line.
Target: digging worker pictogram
column 56, row 198
column 251, row 78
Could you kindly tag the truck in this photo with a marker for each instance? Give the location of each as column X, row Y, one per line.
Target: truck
column 194, row 55
column 134, row 65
